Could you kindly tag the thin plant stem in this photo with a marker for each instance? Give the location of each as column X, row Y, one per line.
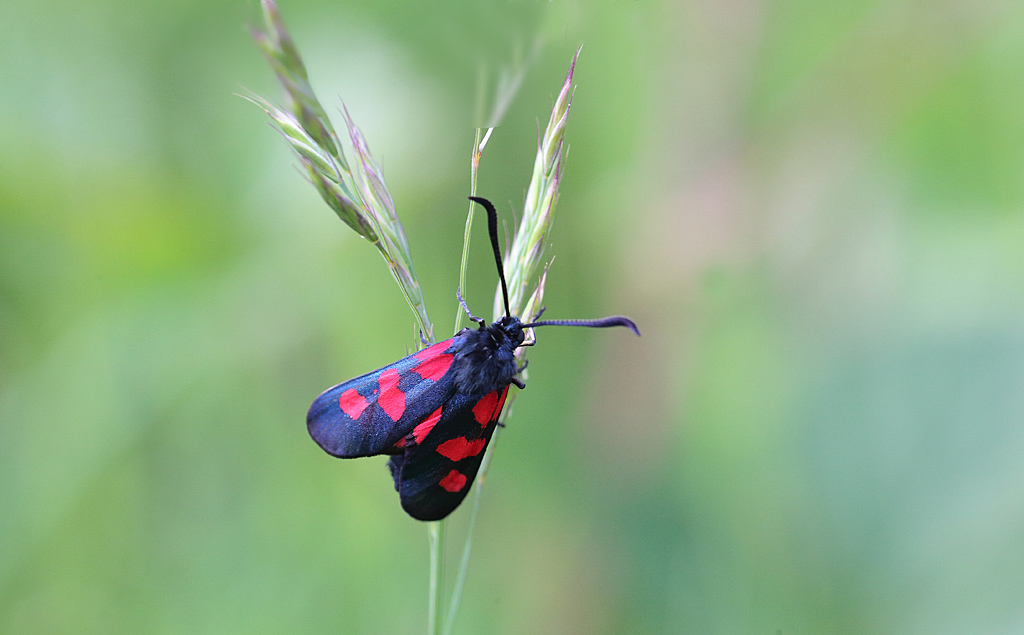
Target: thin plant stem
column 521, row 260
column 479, row 143
column 435, row 533
column 480, row 139
column 436, row 528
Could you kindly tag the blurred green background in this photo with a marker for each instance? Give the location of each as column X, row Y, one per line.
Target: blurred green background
column 814, row 210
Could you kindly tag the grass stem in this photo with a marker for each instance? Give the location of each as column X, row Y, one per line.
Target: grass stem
column 435, row 533
column 521, row 261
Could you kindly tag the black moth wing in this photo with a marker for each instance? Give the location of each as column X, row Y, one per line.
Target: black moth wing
column 372, row 413
column 440, row 463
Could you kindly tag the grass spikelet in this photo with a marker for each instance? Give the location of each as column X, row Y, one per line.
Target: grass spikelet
column 377, row 200
column 525, row 254
column 359, row 197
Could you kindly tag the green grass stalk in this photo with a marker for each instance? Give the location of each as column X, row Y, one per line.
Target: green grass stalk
column 435, row 534
column 520, row 262
column 479, row 143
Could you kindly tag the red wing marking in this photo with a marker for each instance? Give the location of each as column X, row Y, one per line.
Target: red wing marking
column 459, row 448
column 484, row 408
column 391, row 399
column 432, row 351
column 454, row 482
column 435, row 368
column 421, row 431
column 352, row 403
column 501, row 404
column 400, row 443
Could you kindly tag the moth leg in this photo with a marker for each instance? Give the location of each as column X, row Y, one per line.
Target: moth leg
column 472, row 318
column 423, row 339
column 499, row 424
column 539, row 313
column 519, row 382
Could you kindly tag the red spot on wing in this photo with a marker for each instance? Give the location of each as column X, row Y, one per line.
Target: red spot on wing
column 432, row 351
column 421, row 431
column 484, row 408
column 454, row 482
column 391, row 399
column 459, row 448
column 352, row 403
column 400, row 443
column 434, row 368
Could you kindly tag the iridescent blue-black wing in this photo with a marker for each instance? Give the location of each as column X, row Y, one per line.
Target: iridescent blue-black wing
column 442, row 455
column 374, row 413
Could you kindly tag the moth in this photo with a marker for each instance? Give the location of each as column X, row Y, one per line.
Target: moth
column 435, row 411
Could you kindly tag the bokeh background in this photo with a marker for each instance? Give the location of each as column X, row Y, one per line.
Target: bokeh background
column 814, row 210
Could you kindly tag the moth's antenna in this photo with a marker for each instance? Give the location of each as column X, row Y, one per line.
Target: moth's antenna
column 615, row 320
column 492, row 229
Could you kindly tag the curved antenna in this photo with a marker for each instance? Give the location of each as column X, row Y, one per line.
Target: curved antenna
column 492, row 229
column 615, row 320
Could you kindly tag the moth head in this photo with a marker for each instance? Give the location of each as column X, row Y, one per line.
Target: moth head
column 512, row 328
